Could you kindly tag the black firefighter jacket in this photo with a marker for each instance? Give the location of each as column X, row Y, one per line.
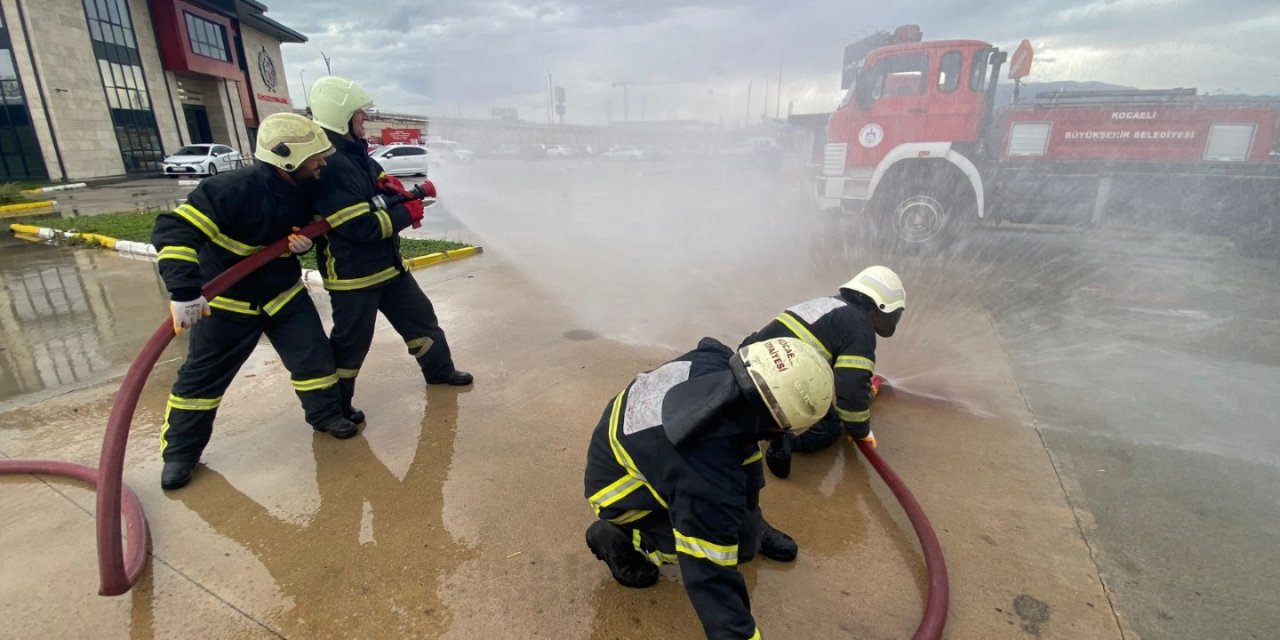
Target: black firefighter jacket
column 840, row 329
column 228, row 217
column 708, row 484
column 363, row 249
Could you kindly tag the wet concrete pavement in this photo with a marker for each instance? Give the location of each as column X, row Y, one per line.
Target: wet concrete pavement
column 1060, row 429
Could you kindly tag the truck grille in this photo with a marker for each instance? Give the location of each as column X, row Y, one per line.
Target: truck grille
column 833, row 156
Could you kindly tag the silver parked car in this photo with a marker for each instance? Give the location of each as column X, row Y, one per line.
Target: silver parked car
column 402, row 159
column 202, row 160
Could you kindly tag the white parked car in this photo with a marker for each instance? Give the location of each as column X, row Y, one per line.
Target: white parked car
column 559, row 151
column 402, row 159
column 623, row 153
column 449, row 151
column 202, row 160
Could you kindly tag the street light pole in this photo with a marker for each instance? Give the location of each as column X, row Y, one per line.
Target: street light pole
column 302, row 75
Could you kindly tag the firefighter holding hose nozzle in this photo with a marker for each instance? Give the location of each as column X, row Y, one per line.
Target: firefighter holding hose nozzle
column 225, row 219
column 674, row 473
column 843, row 328
column 359, row 259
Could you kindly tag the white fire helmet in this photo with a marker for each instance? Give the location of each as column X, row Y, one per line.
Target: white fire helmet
column 882, row 285
column 884, row 288
column 793, row 379
column 334, row 100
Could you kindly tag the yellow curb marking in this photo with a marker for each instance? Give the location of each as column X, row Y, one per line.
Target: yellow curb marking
column 32, row 233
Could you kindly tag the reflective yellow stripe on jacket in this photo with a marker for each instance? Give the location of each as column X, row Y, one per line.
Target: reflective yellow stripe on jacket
column 855, row 362
column 176, row 252
column 619, row 489
column 804, row 334
column 348, row 284
column 853, row 416
column 234, row 306
column 620, row 454
column 271, row 308
column 277, row 303
column 210, row 229
column 384, row 223
column 347, row 214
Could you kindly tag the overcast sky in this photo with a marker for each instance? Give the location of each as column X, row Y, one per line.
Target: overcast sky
column 695, row 59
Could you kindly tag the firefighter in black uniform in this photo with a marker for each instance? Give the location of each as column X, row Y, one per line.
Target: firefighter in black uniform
column 843, row 329
column 360, row 258
column 228, row 217
column 674, row 473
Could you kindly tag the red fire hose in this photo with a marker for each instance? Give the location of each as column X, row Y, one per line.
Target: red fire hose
column 117, row 569
column 935, row 610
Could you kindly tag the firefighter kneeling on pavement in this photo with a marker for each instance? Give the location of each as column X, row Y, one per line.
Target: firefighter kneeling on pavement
column 674, row 471
column 359, row 258
column 843, row 328
column 227, row 218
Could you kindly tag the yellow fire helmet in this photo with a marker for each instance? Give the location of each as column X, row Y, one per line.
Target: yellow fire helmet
column 334, row 100
column 793, row 380
column 287, row 140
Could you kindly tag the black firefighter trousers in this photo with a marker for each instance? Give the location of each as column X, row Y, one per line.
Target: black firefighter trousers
column 410, row 313
column 220, row 345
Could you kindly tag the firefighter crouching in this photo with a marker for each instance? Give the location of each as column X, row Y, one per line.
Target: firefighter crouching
column 674, row 473
column 359, row 259
column 228, row 217
column 843, row 329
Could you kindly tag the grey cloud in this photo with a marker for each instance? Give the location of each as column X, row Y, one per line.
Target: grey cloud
column 697, row 57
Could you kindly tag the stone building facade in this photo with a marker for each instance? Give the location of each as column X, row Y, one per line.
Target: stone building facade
column 100, row 89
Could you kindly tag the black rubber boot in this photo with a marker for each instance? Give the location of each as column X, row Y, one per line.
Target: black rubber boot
column 778, row 457
column 776, row 545
column 176, row 474
column 340, row 428
column 353, row 414
column 454, row 378
column 611, row 544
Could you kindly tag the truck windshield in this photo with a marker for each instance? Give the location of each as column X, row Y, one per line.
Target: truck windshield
column 900, row 75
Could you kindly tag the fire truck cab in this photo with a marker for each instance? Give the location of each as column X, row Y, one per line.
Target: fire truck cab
column 908, row 130
column 917, row 149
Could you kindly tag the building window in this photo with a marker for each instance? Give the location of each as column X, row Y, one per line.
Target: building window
column 208, row 39
column 120, row 66
column 20, row 157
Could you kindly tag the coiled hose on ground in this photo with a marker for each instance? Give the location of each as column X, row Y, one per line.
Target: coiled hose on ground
column 118, row 568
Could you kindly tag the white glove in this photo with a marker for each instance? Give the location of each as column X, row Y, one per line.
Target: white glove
column 187, row 314
column 299, row 243
column 870, row 439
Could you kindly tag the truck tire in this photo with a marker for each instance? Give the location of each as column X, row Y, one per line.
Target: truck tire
column 919, row 220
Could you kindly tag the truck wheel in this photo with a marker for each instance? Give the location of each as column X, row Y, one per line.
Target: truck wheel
column 920, row 219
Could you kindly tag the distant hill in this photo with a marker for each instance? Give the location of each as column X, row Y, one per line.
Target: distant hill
column 1004, row 94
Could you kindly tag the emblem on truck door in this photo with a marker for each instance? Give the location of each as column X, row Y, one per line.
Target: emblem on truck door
column 870, row 136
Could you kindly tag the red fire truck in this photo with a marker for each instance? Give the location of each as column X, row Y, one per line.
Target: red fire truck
column 918, row 150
